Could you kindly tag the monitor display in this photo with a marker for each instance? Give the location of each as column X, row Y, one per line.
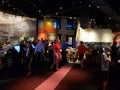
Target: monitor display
column 57, row 24
column 17, row 48
column 33, row 46
column 69, row 25
column 103, row 49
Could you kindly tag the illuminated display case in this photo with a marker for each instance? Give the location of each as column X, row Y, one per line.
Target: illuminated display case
column 46, row 29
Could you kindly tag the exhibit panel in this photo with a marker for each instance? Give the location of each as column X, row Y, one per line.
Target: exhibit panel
column 94, row 35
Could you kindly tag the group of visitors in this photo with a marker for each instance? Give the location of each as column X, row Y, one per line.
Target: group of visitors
column 52, row 51
column 55, row 52
column 35, row 51
column 110, row 56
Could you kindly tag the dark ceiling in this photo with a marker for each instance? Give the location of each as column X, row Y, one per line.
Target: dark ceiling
column 104, row 13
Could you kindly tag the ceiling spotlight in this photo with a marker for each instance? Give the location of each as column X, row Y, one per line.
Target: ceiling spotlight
column 9, row 5
column 74, row 17
column 98, row 6
column 60, row 7
column 109, row 18
column 79, row 2
column 116, row 24
column 14, row 8
column 39, row 11
column 56, row 13
column 89, row 5
column 93, row 20
column 70, row 17
column 3, row 1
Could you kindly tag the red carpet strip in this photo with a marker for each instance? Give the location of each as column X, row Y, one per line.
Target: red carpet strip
column 27, row 83
column 52, row 82
column 77, row 79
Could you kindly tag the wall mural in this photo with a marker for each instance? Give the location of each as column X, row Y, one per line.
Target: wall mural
column 17, row 26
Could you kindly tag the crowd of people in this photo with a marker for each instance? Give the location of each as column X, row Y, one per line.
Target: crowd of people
column 109, row 58
column 36, row 50
column 56, row 52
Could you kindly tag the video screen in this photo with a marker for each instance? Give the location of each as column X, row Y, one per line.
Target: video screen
column 33, row 46
column 57, row 24
column 69, row 25
column 103, row 49
column 17, row 48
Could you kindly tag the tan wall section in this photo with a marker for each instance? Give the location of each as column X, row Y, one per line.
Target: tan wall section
column 64, row 31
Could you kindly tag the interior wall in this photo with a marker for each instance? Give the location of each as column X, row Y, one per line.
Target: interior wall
column 64, row 32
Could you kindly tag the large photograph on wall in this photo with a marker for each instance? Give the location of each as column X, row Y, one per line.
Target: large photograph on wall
column 17, row 26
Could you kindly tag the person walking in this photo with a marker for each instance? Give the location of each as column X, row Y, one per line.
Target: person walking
column 81, row 49
column 57, row 54
column 39, row 50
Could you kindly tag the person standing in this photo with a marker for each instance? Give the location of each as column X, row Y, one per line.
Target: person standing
column 22, row 52
column 57, row 54
column 114, row 53
column 105, row 61
column 50, row 51
column 39, row 50
column 81, row 49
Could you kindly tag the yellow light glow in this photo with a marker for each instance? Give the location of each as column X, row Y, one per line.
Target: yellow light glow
column 48, row 28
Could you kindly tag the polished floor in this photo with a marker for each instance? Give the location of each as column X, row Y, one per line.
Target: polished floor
column 70, row 76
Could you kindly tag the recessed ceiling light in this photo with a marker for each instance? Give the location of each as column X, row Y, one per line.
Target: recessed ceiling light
column 109, row 18
column 74, row 17
column 39, row 11
column 80, row 2
column 98, row 6
column 116, row 24
column 9, row 5
column 60, row 7
column 56, row 13
column 93, row 20
column 14, row 8
column 70, row 17
column 3, row 1
column 89, row 5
